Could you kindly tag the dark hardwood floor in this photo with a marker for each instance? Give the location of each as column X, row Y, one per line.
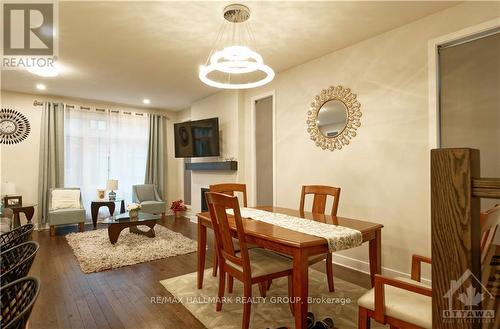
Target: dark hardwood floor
column 119, row 298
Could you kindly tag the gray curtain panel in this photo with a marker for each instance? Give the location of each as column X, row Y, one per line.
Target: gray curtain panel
column 155, row 165
column 51, row 167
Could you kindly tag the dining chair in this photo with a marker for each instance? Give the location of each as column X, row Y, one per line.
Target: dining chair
column 16, row 236
column 16, row 262
column 400, row 302
column 407, row 303
column 17, row 301
column 250, row 266
column 228, row 189
column 320, row 193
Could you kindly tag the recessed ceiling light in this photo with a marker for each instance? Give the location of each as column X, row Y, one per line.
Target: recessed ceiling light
column 40, row 86
column 146, row 101
column 45, row 71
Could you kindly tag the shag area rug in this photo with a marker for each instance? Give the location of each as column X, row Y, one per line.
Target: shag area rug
column 271, row 312
column 95, row 253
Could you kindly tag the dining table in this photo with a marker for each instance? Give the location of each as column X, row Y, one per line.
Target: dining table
column 296, row 244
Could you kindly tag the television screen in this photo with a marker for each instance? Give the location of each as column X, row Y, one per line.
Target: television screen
column 197, row 138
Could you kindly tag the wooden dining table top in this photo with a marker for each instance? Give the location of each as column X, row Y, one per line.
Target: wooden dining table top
column 293, row 238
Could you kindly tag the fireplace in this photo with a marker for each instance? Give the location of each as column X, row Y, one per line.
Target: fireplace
column 204, row 206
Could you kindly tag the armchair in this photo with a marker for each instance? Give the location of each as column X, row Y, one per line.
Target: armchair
column 64, row 209
column 149, row 199
column 399, row 302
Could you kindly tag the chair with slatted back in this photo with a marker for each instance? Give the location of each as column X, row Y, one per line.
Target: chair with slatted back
column 228, row 189
column 321, row 193
column 250, row 266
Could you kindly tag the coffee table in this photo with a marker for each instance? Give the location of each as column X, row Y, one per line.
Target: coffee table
column 118, row 223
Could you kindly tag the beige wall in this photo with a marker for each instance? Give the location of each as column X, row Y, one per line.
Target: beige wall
column 384, row 173
column 19, row 162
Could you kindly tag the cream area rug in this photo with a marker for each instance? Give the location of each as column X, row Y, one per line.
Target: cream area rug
column 271, row 312
column 95, row 253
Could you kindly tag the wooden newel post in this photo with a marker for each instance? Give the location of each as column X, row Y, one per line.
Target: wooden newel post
column 455, row 224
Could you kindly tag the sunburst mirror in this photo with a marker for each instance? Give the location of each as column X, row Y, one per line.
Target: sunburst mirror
column 334, row 117
column 14, row 127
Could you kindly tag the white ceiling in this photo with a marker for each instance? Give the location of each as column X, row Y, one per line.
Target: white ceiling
column 123, row 52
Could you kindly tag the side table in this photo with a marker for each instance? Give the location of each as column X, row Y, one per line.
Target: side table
column 97, row 204
column 27, row 209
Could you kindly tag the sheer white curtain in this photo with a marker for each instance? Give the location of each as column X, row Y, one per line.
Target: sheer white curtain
column 101, row 146
column 128, row 147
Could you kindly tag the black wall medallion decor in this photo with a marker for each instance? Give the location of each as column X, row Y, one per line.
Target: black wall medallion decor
column 14, row 127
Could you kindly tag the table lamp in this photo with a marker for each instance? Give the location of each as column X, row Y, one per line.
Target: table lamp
column 112, row 185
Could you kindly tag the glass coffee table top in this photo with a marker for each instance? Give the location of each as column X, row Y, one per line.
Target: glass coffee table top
column 121, row 218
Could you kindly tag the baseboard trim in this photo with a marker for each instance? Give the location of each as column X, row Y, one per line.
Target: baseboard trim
column 364, row 267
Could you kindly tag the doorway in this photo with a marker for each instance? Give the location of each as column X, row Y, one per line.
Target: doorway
column 264, row 149
column 469, row 101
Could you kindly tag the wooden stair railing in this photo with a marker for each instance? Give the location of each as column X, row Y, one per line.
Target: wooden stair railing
column 456, row 189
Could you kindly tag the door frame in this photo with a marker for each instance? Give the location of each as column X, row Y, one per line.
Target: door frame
column 253, row 153
column 464, row 35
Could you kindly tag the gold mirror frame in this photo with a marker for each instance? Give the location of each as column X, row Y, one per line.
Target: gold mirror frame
column 353, row 122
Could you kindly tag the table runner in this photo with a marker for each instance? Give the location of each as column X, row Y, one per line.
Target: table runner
column 338, row 237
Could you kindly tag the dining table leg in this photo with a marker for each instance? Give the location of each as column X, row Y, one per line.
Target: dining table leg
column 202, row 250
column 300, row 286
column 375, row 247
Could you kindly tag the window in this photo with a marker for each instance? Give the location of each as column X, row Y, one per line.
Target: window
column 100, row 146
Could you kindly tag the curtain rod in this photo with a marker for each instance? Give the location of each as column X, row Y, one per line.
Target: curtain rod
column 40, row 103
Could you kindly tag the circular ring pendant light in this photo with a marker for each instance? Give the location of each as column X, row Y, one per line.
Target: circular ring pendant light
column 235, row 59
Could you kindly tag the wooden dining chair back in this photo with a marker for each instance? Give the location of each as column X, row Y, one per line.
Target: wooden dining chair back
column 228, row 189
column 231, row 189
column 250, row 266
column 218, row 203
column 320, row 192
column 320, row 196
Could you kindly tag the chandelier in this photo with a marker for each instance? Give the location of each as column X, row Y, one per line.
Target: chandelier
column 232, row 64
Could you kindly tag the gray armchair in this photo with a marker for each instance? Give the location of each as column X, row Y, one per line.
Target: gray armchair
column 66, row 216
column 149, row 199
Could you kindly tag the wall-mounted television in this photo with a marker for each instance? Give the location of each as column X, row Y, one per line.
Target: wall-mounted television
column 197, row 138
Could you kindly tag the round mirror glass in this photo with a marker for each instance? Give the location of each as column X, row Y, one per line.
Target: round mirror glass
column 332, row 118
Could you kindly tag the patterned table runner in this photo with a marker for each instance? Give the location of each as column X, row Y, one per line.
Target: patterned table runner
column 338, row 237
